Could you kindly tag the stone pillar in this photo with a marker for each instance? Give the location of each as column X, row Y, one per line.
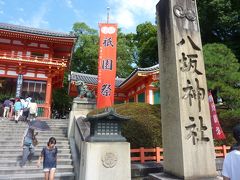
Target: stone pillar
column 186, row 127
column 80, row 107
column 48, row 98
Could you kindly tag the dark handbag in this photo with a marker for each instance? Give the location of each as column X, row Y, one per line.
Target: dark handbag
column 34, row 140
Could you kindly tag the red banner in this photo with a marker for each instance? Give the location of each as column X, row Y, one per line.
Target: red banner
column 107, row 65
column 216, row 127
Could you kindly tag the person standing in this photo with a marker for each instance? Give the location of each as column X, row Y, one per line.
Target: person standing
column 49, row 156
column 6, row 105
column 232, row 160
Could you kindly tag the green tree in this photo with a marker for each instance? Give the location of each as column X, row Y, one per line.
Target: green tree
column 62, row 102
column 125, row 55
column 219, row 22
column 86, row 49
column 223, row 76
column 146, row 38
column 85, row 57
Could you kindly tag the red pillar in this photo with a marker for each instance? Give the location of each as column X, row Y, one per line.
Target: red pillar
column 48, row 98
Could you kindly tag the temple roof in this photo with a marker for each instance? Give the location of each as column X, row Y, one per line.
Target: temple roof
column 24, row 29
column 92, row 79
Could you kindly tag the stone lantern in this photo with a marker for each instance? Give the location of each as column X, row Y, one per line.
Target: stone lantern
column 106, row 127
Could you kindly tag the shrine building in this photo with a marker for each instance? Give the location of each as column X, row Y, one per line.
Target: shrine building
column 33, row 62
column 142, row 85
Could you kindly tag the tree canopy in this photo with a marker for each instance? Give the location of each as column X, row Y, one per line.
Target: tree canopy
column 223, row 76
column 146, row 42
column 219, row 22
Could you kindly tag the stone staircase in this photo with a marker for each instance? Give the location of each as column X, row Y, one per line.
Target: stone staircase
column 11, row 152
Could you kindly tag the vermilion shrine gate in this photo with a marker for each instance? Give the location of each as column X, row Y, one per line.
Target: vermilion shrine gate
column 33, row 62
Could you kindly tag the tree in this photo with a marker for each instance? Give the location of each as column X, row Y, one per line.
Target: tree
column 146, row 38
column 86, row 49
column 219, row 22
column 85, row 57
column 223, row 76
column 62, row 102
column 125, row 55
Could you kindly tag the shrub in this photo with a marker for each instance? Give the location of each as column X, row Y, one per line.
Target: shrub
column 144, row 127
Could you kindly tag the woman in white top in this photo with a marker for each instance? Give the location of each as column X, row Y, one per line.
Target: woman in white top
column 232, row 160
column 32, row 110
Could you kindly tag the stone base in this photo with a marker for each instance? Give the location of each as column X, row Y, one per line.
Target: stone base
column 105, row 161
column 164, row 176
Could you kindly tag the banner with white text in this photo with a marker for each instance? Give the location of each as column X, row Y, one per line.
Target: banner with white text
column 216, row 127
column 107, row 65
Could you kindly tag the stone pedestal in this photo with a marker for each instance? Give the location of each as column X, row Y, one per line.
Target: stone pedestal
column 80, row 108
column 105, row 161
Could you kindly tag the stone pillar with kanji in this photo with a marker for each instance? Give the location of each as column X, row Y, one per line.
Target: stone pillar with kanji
column 186, row 126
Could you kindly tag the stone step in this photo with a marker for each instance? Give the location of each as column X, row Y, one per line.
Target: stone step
column 39, row 138
column 40, row 145
column 11, row 151
column 32, row 169
column 36, row 156
column 2, row 142
column 38, row 176
column 37, row 150
column 8, row 163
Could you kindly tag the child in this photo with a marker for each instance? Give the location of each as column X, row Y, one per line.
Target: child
column 49, row 156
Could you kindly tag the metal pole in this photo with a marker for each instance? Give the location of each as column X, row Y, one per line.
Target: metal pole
column 108, row 9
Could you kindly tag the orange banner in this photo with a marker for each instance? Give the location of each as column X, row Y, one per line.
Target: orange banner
column 107, row 65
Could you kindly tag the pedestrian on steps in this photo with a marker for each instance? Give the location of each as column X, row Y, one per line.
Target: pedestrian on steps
column 27, row 145
column 33, row 108
column 6, row 105
column 17, row 109
column 49, row 156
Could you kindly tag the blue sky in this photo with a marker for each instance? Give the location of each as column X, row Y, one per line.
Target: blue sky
column 59, row 15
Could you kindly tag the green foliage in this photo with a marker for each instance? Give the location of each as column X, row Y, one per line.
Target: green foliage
column 61, row 100
column 125, row 56
column 144, row 127
column 146, row 38
column 86, row 50
column 222, row 71
column 223, row 77
column 85, row 57
column 219, row 22
column 5, row 96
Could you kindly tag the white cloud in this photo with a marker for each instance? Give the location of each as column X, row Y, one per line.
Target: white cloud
column 20, row 9
column 69, row 3
column 37, row 19
column 75, row 10
column 129, row 13
column 2, row 2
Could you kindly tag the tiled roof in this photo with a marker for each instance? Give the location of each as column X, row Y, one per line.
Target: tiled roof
column 24, row 29
column 148, row 69
column 92, row 79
